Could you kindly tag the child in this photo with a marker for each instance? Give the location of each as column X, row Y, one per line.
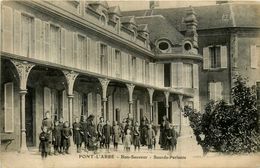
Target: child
column 128, row 139
column 56, row 137
column 44, row 144
column 116, row 135
column 171, row 139
column 136, row 137
column 77, row 132
column 66, row 132
column 150, row 137
column 107, row 132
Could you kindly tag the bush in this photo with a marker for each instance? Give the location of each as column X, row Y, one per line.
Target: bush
column 228, row 128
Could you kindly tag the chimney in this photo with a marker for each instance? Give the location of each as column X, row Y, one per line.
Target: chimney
column 191, row 27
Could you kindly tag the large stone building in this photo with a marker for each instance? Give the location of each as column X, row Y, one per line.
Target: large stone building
column 76, row 58
column 228, row 39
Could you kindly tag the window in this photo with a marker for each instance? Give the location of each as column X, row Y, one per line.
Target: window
column 118, row 62
column 104, row 60
column 187, row 75
column 167, row 74
column 9, row 107
column 215, row 91
column 55, row 43
column 215, row 57
column 27, row 35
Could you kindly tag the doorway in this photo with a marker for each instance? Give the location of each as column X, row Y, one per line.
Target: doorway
column 161, row 111
column 30, row 117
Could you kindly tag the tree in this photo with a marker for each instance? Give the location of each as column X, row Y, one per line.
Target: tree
column 228, row 128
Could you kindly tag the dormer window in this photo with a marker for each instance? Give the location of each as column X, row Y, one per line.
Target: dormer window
column 118, row 25
column 103, row 19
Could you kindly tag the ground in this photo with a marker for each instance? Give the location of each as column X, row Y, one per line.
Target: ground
column 143, row 158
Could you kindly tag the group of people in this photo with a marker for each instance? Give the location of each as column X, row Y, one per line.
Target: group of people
column 84, row 132
column 168, row 135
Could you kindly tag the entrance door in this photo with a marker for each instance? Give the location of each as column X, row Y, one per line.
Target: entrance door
column 161, row 111
column 30, row 117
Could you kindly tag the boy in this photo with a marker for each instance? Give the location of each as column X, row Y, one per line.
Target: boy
column 77, row 134
column 66, row 132
column 107, row 131
column 61, row 125
column 150, row 137
column 44, row 142
column 136, row 137
column 56, row 137
column 116, row 135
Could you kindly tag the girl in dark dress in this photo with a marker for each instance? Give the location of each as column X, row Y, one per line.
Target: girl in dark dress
column 67, row 133
column 56, row 137
column 44, row 142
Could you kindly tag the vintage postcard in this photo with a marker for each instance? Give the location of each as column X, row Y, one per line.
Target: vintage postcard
column 118, row 84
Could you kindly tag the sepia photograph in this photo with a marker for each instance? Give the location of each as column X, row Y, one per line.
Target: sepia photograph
column 130, row 84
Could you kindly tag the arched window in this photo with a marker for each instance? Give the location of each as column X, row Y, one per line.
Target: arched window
column 103, row 20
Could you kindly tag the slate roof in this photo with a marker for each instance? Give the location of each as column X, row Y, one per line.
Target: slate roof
column 115, row 10
column 159, row 27
column 211, row 17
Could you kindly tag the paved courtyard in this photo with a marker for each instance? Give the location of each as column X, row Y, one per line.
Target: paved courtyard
column 143, row 158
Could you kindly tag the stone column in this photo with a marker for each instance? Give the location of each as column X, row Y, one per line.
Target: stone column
column 130, row 88
column 151, row 91
column 104, row 83
column 167, row 103
column 23, row 68
column 70, row 78
column 181, row 106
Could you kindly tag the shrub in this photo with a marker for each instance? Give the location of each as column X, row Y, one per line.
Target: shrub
column 228, row 128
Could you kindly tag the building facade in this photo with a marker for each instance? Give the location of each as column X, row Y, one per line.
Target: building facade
column 228, row 39
column 75, row 58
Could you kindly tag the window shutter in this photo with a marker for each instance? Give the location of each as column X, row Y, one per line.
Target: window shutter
column 195, row 76
column 84, row 54
column 47, row 100
column 38, row 38
column 63, row 46
column 161, row 75
column 113, row 55
column 7, row 29
column 206, row 58
column 75, row 49
column 223, row 56
column 180, row 75
column 88, row 53
column 219, row 90
column 46, row 29
column 17, row 32
column 9, row 107
column 130, row 68
column 211, row 87
column 69, row 49
column 65, row 111
column 253, row 56
column 98, row 60
column 109, row 55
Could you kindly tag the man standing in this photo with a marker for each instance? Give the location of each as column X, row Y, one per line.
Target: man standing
column 107, row 130
column 84, row 126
